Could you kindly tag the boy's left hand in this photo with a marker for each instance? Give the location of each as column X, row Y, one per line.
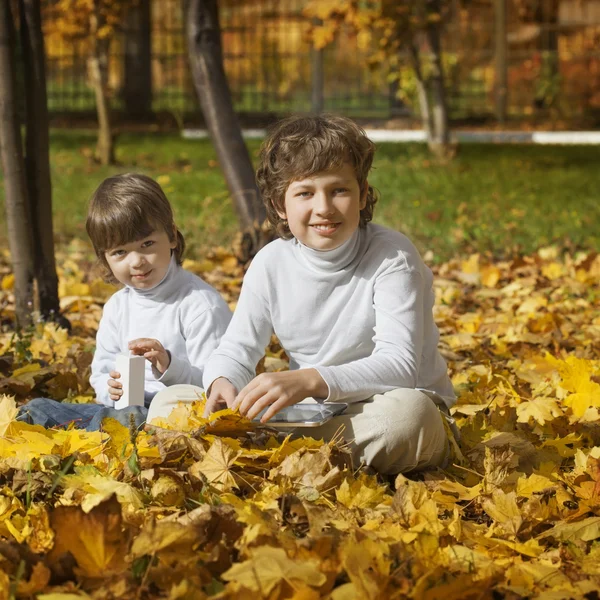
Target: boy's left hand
column 278, row 390
column 152, row 350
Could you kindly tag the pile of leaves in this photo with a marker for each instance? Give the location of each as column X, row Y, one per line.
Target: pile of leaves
column 219, row 508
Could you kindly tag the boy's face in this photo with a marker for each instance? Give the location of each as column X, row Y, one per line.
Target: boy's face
column 142, row 264
column 323, row 210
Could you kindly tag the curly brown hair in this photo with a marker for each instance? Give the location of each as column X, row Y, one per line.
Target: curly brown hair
column 300, row 146
column 127, row 208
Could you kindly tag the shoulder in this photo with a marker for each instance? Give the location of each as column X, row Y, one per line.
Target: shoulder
column 114, row 304
column 270, row 259
column 391, row 249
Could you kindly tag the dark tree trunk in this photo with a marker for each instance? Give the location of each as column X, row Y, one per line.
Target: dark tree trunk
column 15, row 190
column 210, row 81
column 137, row 90
column 440, row 143
column 37, row 158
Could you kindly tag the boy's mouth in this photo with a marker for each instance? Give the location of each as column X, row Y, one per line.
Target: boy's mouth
column 141, row 276
column 326, row 228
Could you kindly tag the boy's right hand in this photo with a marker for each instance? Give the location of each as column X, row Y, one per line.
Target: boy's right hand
column 222, row 394
column 115, row 388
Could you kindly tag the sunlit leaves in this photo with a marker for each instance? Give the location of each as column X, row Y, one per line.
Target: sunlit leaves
column 220, row 507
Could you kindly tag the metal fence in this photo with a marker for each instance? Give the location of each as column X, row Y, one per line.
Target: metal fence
column 552, row 63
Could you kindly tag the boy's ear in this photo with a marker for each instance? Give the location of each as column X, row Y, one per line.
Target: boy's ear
column 363, row 195
column 173, row 243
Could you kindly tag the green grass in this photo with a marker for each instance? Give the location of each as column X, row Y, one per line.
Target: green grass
column 491, row 198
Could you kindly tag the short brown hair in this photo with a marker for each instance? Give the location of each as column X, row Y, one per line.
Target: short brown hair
column 301, row 146
column 127, row 208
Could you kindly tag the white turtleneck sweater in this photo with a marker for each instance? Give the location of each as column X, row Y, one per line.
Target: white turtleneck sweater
column 360, row 314
column 185, row 314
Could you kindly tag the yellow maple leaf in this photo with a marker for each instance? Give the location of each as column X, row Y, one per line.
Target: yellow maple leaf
column 216, row 466
column 95, row 540
column 269, row 566
column 99, row 488
column 503, row 509
column 534, row 484
column 490, row 276
column 541, row 410
column 364, row 492
column 8, row 412
column 585, row 530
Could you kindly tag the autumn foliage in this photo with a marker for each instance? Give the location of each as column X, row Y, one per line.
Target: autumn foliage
column 195, row 508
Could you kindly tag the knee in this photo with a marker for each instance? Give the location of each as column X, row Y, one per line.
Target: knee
column 412, row 433
column 37, row 403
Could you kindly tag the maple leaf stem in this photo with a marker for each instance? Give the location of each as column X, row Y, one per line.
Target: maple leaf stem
column 469, row 470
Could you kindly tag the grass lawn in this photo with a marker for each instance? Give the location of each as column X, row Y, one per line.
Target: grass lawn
column 492, row 198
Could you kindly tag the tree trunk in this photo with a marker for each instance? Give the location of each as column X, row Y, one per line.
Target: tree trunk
column 415, row 59
column 37, row 158
column 137, row 88
column 317, row 83
column 210, row 81
column 98, row 69
column 440, row 143
column 501, row 58
column 17, row 212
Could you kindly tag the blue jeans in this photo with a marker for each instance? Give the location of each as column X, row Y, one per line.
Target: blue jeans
column 50, row 413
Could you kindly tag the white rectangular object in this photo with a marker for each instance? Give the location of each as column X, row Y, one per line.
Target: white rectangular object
column 132, row 370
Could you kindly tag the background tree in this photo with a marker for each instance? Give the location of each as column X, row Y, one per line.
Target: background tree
column 210, row 81
column 27, row 174
column 95, row 22
column 393, row 30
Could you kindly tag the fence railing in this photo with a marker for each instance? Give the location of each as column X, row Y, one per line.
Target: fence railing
column 551, row 65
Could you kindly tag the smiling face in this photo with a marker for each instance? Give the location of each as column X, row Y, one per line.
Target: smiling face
column 323, row 210
column 144, row 263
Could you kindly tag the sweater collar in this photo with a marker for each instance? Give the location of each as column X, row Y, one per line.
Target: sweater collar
column 162, row 290
column 331, row 261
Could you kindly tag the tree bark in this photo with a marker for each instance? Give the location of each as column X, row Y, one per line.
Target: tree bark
column 415, row 59
column 210, row 81
column 98, row 70
column 17, row 211
column 501, row 58
column 37, row 158
column 137, row 89
column 440, row 142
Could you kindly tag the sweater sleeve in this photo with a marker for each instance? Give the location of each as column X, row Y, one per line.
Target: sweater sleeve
column 202, row 335
column 399, row 330
column 244, row 342
column 107, row 348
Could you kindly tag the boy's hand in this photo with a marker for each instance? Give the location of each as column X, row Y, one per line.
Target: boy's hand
column 278, row 390
column 115, row 388
column 153, row 351
column 221, row 395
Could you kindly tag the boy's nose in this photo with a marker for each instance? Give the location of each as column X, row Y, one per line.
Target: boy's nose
column 137, row 260
column 324, row 204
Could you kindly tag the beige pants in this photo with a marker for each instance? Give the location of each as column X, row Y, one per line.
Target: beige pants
column 395, row 432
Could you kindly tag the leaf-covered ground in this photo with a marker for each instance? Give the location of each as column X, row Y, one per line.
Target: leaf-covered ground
column 196, row 509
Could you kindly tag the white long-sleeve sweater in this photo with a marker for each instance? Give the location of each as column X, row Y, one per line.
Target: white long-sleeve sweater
column 185, row 314
column 360, row 314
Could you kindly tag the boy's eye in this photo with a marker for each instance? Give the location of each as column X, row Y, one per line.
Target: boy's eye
column 304, row 194
column 340, row 190
column 147, row 243
column 117, row 253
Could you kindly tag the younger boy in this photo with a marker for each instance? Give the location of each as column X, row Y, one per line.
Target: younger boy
column 163, row 312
